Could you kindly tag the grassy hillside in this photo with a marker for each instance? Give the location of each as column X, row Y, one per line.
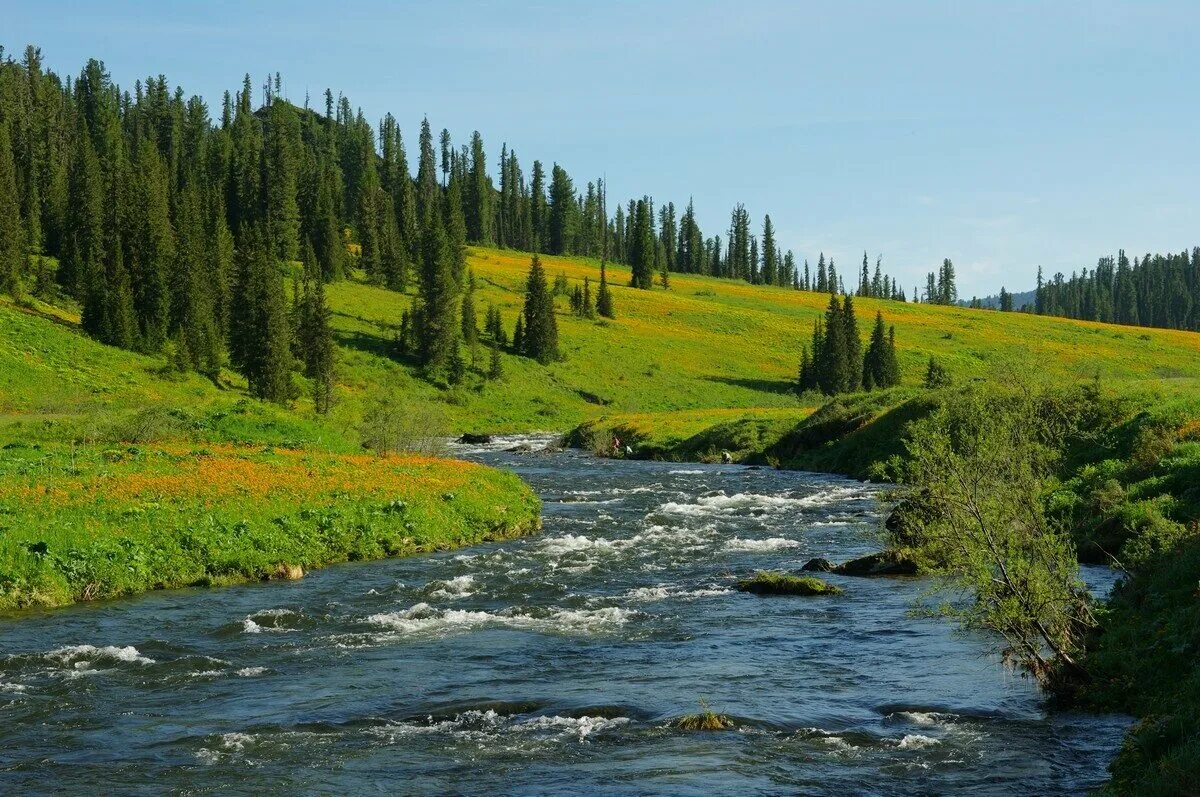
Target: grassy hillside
column 708, row 343
column 118, row 476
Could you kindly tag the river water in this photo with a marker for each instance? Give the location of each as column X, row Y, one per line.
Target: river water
column 548, row 665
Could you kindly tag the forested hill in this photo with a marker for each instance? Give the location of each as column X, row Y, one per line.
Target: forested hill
column 1155, row 290
column 174, row 230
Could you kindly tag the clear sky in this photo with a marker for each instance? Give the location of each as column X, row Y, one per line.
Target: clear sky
column 1003, row 135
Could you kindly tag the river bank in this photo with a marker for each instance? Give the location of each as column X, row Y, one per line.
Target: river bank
column 90, row 523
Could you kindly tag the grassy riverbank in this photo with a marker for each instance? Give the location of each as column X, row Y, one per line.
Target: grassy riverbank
column 118, row 476
column 90, row 523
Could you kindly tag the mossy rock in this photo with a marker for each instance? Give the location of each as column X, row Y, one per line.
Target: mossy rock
column 884, row 563
column 769, row 582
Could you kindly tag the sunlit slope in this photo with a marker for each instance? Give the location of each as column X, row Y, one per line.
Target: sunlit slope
column 58, row 384
column 709, row 343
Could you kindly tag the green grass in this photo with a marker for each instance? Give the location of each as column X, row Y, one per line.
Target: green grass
column 774, row 582
column 90, row 523
column 118, row 476
column 710, row 344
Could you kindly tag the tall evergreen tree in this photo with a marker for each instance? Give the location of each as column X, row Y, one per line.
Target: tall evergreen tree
column 604, row 301
column 541, row 329
column 854, row 356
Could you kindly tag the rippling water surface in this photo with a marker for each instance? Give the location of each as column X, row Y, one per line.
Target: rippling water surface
column 548, row 665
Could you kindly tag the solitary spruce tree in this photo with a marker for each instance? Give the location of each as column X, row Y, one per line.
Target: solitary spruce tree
column 604, row 301
column 541, row 329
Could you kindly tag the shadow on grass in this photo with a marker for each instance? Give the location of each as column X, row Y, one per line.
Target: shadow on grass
column 370, row 344
column 779, row 386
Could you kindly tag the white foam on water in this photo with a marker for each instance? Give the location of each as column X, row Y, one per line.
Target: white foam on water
column 662, row 592
column 249, row 672
column 236, row 741
column 923, row 718
column 579, row 727
column 425, row 619
column 84, row 658
column 454, row 588
column 206, row 674
column 252, row 625
column 13, row 688
column 915, row 741
column 480, row 726
column 758, row 546
column 687, row 472
column 574, row 543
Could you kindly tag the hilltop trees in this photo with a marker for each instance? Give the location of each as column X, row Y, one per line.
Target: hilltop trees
column 941, row 288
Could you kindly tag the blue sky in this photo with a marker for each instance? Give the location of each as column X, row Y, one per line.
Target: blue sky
column 1002, row 135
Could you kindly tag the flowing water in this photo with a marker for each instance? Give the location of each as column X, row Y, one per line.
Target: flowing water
column 547, row 665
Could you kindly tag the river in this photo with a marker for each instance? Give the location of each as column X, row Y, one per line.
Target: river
column 550, row 665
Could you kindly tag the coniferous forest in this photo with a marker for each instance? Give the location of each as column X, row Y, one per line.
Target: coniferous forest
column 177, row 225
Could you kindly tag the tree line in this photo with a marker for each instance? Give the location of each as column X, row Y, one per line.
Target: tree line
column 1159, row 290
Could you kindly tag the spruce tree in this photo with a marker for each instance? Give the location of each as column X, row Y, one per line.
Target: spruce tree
column 267, row 340
column 518, row 338
column 470, row 329
column 604, row 301
column 495, row 367
column 854, row 356
column 832, row 360
column 541, row 330
column 588, row 308
column 319, row 349
column 439, row 330
column 875, row 361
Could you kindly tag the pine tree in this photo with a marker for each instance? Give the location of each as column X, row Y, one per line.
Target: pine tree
column 495, row 366
column 807, row 379
column 588, row 309
column 479, row 196
column 641, row 254
column 12, row 232
column 518, row 338
column 832, row 360
column 438, row 330
column 770, row 254
column 854, row 356
column 890, row 370
column 541, row 329
column 267, row 353
column 563, row 211
column 936, row 375
column 879, row 363
column 318, row 346
column 604, row 301
column 470, row 330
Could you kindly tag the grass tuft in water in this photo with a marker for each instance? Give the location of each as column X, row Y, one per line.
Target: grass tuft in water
column 705, row 720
